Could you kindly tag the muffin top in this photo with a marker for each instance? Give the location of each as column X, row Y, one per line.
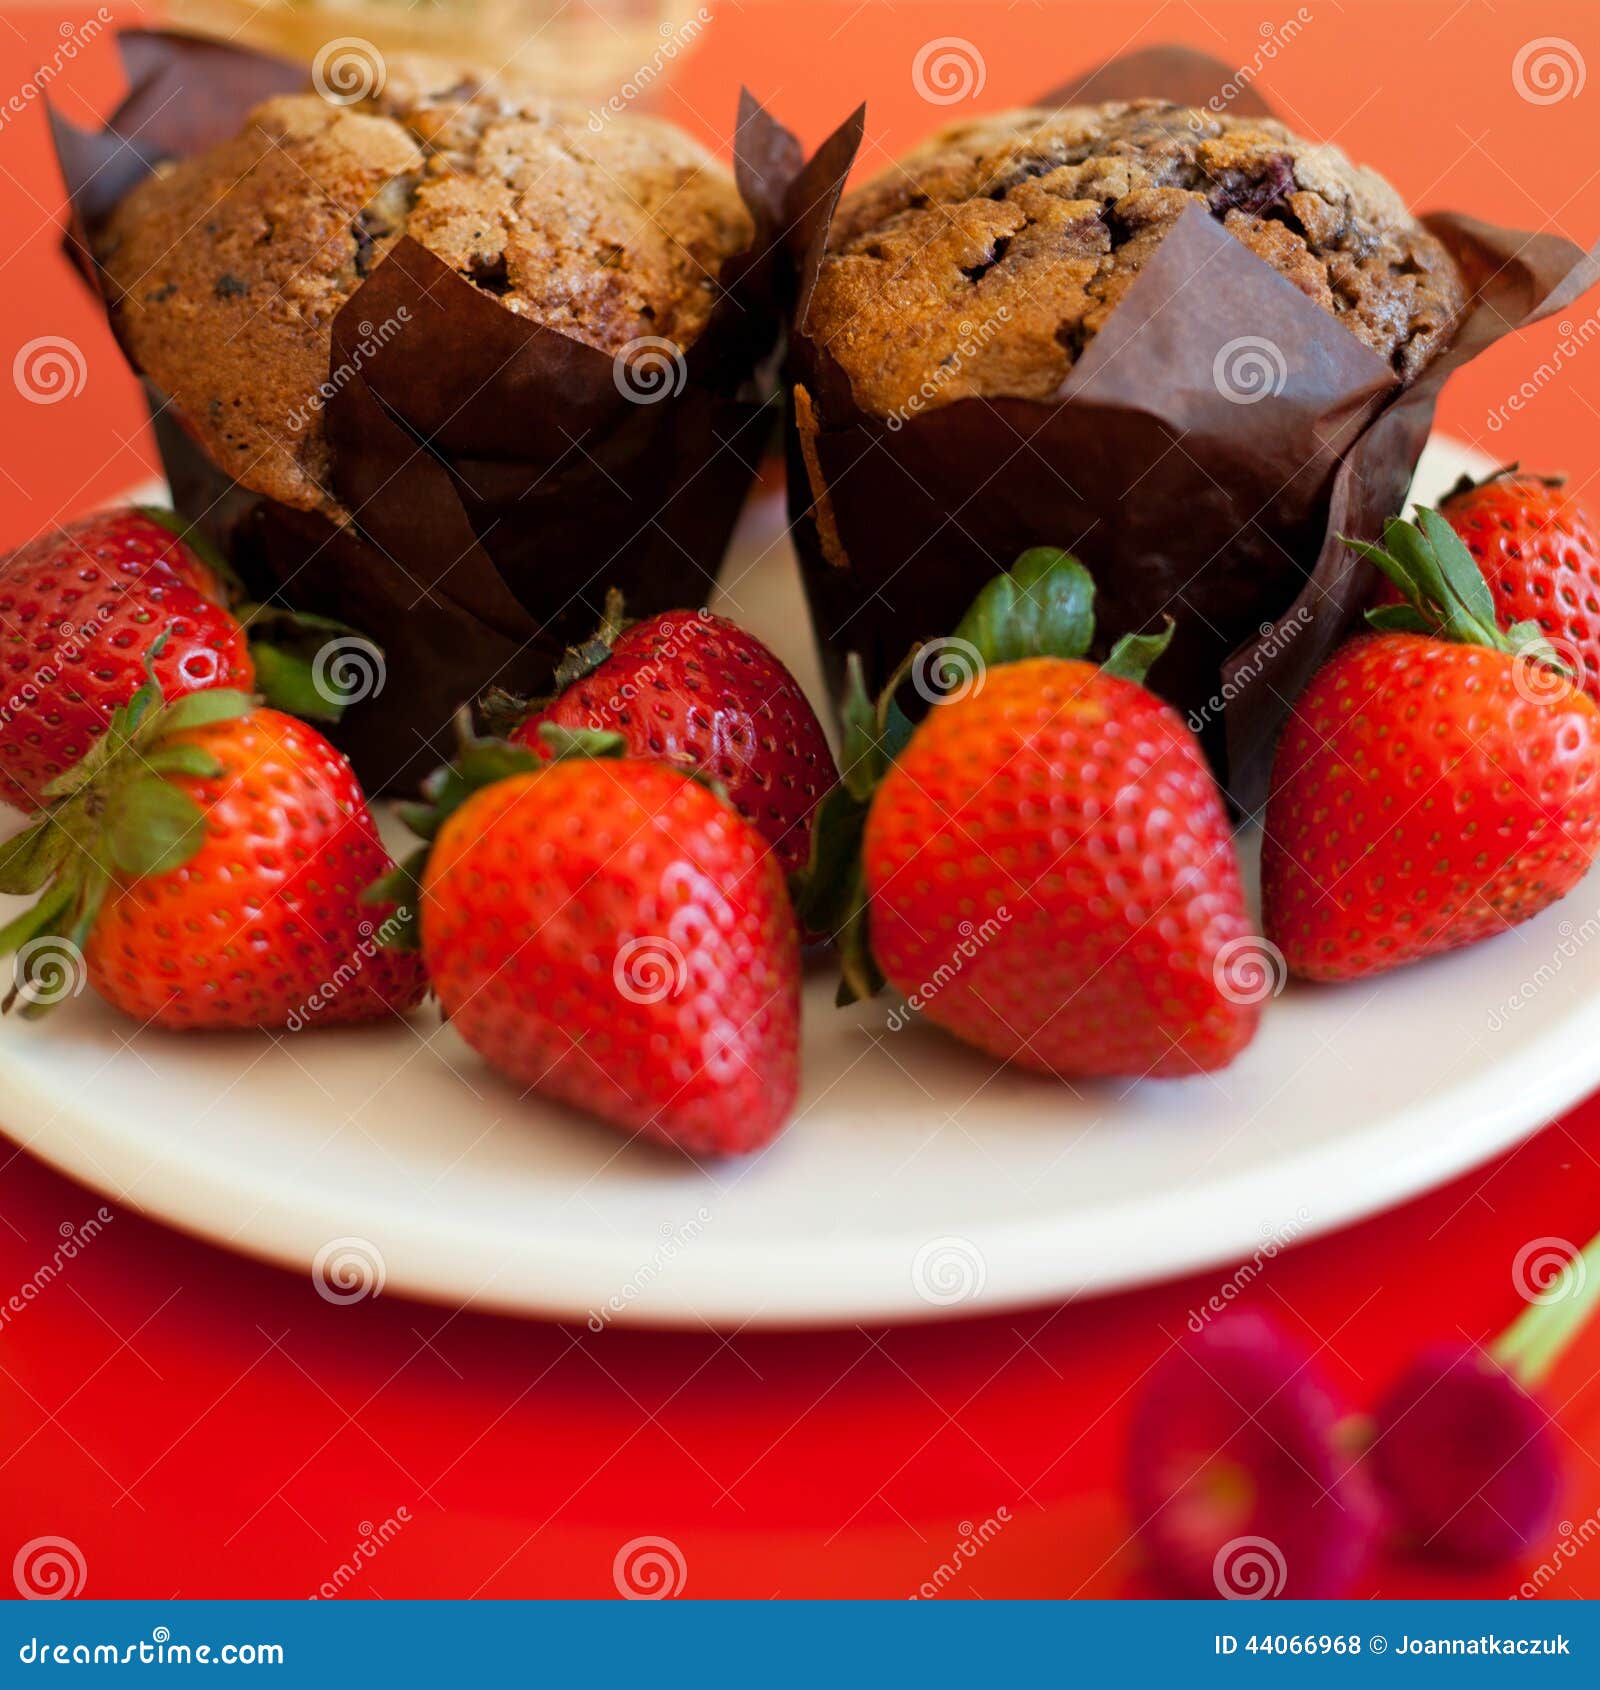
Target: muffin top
column 226, row 270
column 1051, row 214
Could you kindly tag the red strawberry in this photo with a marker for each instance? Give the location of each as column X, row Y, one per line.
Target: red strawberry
column 1046, row 866
column 612, row 934
column 79, row 612
column 209, row 861
column 695, row 690
column 1535, row 545
column 1427, row 792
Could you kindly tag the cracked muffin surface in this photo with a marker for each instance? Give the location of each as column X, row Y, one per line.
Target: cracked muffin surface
column 984, row 262
column 226, row 271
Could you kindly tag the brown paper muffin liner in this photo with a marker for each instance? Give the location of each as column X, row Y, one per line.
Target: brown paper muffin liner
column 499, row 476
column 1202, row 457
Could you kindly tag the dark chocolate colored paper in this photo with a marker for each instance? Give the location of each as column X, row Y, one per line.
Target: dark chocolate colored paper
column 1223, row 512
column 498, row 479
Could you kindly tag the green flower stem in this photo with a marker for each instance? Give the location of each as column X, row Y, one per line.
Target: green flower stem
column 1532, row 1344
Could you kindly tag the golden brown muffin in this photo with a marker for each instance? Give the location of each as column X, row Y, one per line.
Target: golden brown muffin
column 1034, row 223
column 226, row 270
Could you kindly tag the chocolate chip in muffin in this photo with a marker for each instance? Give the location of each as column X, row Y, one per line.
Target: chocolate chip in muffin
column 1035, row 223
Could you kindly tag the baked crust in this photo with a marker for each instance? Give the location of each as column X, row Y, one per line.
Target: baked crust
column 985, row 261
column 227, row 270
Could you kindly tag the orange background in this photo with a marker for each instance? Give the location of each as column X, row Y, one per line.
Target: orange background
column 204, row 1426
column 1422, row 89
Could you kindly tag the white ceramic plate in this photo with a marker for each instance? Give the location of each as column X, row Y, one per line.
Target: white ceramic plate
column 917, row 1180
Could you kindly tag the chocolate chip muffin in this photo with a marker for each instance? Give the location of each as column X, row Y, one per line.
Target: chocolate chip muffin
column 226, row 270
column 1036, row 222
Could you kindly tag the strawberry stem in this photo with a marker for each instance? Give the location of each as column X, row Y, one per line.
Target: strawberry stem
column 1444, row 592
column 115, row 811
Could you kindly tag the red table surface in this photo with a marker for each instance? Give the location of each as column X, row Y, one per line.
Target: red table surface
column 203, row 1426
